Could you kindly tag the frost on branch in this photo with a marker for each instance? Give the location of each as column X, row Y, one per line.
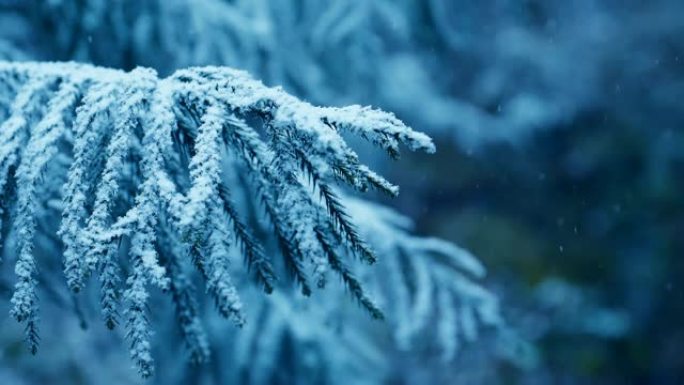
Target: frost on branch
column 147, row 191
column 427, row 287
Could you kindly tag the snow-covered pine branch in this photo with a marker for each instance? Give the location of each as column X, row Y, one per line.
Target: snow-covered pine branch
column 427, row 287
column 147, row 179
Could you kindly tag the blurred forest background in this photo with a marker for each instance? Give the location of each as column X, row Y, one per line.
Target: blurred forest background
column 558, row 124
